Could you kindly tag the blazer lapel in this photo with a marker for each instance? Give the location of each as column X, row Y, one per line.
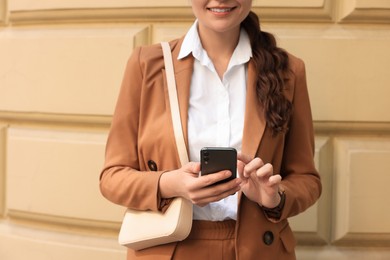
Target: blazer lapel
column 183, row 75
column 254, row 122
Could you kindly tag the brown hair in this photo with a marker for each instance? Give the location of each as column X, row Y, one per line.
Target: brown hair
column 272, row 66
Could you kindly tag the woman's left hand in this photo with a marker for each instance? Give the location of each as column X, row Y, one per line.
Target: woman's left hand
column 259, row 183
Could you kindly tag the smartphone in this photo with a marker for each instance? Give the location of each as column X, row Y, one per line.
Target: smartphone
column 215, row 159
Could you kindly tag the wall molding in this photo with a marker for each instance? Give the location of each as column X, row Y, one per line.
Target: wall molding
column 351, row 128
column 363, row 11
column 3, row 128
column 3, row 12
column 103, row 122
column 283, row 11
column 297, row 13
column 64, row 224
column 359, row 13
column 59, row 120
column 164, row 14
column 367, row 16
column 364, row 239
column 324, row 162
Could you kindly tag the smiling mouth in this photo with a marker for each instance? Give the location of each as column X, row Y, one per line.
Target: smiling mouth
column 221, row 10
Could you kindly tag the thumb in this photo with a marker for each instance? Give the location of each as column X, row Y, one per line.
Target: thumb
column 192, row 167
column 240, row 169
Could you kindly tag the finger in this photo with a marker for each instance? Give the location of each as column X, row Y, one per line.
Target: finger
column 253, row 166
column 275, row 180
column 217, row 192
column 244, row 158
column 224, row 194
column 265, row 171
column 212, row 178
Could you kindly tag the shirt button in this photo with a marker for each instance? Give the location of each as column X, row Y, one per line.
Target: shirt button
column 268, row 238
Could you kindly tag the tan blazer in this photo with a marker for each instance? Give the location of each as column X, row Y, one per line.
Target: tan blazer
column 141, row 139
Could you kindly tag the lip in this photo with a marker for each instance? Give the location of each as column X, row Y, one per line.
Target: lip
column 221, row 10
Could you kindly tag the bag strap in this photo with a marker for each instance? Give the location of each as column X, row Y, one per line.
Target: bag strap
column 174, row 104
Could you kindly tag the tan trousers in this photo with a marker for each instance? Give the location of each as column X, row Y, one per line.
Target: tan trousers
column 208, row 240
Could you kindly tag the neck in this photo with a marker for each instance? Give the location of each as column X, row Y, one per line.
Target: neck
column 219, row 47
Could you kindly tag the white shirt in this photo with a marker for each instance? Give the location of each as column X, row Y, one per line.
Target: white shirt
column 216, row 110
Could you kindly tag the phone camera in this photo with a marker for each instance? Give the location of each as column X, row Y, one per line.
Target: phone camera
column 206, row 159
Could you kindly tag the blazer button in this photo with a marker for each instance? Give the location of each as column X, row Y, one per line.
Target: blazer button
column 268, row 238
column 152, row 165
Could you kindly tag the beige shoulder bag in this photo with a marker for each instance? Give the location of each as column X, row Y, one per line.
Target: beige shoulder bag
column 143, row 229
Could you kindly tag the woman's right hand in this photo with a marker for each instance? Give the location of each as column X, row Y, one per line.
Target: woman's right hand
column 186, row 182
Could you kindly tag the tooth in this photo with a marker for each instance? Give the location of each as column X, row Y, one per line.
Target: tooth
column 218, row 10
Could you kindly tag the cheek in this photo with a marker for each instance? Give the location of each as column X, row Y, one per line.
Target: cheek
column 246, row 4
column 196, row 7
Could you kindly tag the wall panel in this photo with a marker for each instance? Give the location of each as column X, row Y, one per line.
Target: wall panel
column 313, row 226
column 55, row 173
column 23, row 242
column 64, row 70
column 344, row 79
column 361, row 181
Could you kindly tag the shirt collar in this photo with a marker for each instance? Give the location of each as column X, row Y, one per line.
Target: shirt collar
column 192, row 44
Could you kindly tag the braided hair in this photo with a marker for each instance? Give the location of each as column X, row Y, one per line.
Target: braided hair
column 272, row 65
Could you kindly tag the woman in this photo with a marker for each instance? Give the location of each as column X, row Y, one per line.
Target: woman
column 236, row 88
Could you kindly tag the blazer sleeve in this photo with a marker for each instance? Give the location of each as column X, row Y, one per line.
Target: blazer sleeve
column 121, row 180
column 301, row 181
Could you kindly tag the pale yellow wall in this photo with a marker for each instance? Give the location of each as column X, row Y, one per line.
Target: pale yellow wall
column 61, row 64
